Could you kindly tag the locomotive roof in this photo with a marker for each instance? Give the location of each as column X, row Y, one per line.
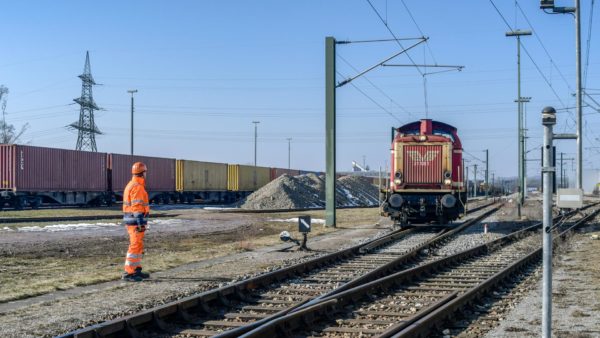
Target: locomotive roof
column 417, row 125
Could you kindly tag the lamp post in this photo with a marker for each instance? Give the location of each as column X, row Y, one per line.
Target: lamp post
column 131, row 91
column 255, row 136
column 576, row 11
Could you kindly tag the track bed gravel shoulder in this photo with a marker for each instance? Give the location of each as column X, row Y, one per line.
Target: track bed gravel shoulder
column 575, row 294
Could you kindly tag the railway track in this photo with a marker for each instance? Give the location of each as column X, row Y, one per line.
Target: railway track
column 419, row 301
column 72, row 218
column 238, row 308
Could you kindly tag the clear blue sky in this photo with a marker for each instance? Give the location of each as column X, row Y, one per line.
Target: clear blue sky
column 206, row 69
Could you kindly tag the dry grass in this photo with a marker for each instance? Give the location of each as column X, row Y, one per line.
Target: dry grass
column 64, row 212
column 94, row 261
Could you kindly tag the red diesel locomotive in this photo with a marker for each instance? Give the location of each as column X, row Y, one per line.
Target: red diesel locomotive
column 426, row 176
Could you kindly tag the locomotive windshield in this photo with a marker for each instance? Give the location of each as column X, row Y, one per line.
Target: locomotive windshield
column 439, row 132
column 443, row 133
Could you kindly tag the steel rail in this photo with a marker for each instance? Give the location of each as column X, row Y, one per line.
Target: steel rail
column 323, row 308
column 206, row 300
column 72, row 218
column 379, row 272
column 221, row 295
column 424, row 326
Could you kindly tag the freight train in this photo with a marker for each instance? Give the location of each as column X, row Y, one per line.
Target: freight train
column 34, row 176
column 426, row 182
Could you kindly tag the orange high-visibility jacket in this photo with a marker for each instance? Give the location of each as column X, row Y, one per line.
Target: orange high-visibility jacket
column 135, row 202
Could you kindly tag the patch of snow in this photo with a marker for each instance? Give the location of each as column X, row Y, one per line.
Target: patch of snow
column 295, row 220
column 67, row 227
column 92, row 226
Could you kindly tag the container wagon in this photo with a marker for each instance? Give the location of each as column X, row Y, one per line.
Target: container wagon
column 205, row 181
column 244, row 179
column 30, row 176
column 160, row 180
column 276, row 172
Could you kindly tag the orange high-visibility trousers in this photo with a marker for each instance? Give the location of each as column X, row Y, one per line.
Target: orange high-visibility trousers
column 135, row 251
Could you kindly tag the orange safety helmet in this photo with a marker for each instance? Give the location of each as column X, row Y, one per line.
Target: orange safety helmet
column 138, row 168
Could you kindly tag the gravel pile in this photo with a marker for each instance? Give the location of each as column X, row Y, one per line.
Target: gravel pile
column 308, row 191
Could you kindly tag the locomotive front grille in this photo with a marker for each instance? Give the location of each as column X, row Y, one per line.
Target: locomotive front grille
column 423, row 164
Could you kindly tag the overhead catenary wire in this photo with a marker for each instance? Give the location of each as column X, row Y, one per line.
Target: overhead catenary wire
column 529, row 55
column 537, row 36
column 588, row 45
column 377, row 87
column 372, row 100
column 419, row 29
column 392, row 33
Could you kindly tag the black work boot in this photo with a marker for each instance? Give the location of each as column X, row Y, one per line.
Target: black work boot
column 131, row 277
column 139, row 273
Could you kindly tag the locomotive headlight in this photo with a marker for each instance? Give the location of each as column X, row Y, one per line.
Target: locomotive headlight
column 398, row 177
column 422, row 138
column 447, row 177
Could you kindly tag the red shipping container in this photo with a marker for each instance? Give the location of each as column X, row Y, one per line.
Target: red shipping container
column 276, row 172
column 160, row 176
column 423, row 163
column 36, row 169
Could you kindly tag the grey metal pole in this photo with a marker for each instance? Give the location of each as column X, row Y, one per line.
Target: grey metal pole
column 131, row 91
column 520, row 124
column 255, row 138
column 561, row 171
column 578, row 94
column 467, row 176
column 379, row 185
column 330, row 131
column 131, row 137
column 475, row 181
column 289, row 151
column 487, row 167
column 520, row 151
column 548, row 121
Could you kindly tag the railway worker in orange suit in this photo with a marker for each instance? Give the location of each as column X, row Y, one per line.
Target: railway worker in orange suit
column 135, row 217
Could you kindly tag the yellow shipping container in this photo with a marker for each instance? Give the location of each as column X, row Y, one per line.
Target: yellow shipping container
column 247, row 177
column 200, row 176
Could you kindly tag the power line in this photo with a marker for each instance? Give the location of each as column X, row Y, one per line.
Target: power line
column 529, row 55
column 372, row 100
column 420, row 31
column 543, row 46
column 376, row 87
column 587, row 52
column 394, row 35
column 473, row 156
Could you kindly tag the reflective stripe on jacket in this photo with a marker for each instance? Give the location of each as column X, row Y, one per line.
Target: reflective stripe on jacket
column 135, row 202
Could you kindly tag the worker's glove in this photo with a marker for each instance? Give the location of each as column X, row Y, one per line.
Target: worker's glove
column 141, row 224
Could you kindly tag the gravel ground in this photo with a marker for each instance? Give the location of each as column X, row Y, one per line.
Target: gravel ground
column 308, row 191
column 575, row 294
column 58, row 313
column 63, row 311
